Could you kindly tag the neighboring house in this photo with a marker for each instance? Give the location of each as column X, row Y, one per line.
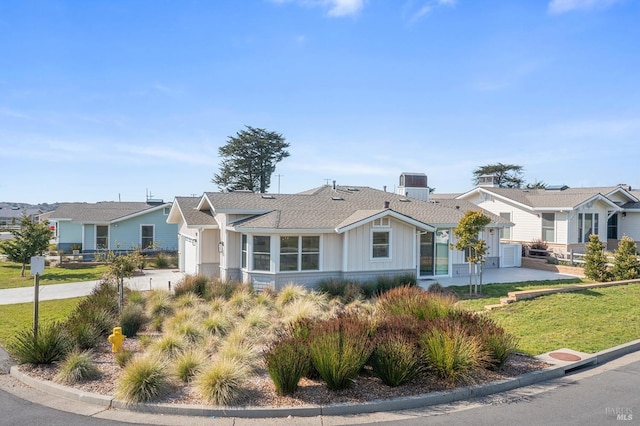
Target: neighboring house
column 10, row 215
column 341, row 232
column 563, row 217
column 113, row 225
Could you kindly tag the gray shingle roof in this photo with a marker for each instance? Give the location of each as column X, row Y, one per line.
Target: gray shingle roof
column 191, row 215
column 105, row 211
column 544, row 198
column 324, row 208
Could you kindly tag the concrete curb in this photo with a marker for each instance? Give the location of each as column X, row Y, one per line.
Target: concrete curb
column 398, row 404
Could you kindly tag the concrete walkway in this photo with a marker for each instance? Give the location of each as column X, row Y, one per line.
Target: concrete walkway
column 500, row 275
column 152, row 278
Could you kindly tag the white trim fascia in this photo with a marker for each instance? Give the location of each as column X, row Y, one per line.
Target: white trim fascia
column 601, row 198
column 176, row 206
column 499, row 196
column 202, row 226
column 140, row 213
column 202, row 201
column 254, row 212
column 630, row 210
column 625, row 192
column 392, row 213
column 276, row 231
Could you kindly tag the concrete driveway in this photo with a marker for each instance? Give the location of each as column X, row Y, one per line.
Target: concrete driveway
column 152, row 278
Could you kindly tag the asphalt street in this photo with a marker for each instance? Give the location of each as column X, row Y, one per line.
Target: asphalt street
column 605, row 395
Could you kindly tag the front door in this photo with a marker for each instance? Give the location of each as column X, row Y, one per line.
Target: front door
column 426, row 254
column 434, row 253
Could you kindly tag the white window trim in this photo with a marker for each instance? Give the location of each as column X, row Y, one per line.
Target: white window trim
column 542, row 227
column 380, row 222
column 153, row 235
column 300, row 254
column 380, row 259
column 251, row 253
column 95, row 237
column 595, row 229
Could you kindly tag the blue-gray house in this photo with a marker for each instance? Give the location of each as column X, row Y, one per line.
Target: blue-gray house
column 114, row 225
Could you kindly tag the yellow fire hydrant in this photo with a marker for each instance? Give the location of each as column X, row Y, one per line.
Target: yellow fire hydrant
column 116, row 339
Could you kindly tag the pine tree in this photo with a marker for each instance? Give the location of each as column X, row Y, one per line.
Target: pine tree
column 32, row 239
column 595, row 267
column 249, row 159
column 625, row 260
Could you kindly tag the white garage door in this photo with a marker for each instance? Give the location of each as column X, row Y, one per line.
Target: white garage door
column 190, row 257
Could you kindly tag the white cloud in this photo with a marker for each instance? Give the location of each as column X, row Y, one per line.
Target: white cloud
column 425, row 8
column 557, row 7
column 345, row 7
column 337, row 8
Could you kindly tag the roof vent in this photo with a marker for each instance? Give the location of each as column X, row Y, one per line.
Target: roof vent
column 268, row 197
column 556, row 187
column 405, row 200
column 337, row 198
column 353, row 189
column 386, row 204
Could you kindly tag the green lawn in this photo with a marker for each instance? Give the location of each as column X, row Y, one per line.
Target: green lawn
column 17, row 317
column 491, row 293
column 10, row 275
column 587, row 321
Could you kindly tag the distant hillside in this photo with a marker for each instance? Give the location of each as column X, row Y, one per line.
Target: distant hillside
column 44, row 207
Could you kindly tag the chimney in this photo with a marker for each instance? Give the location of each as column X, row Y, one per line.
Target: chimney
column 334, row 185
column 384, row 188
column 386, row 204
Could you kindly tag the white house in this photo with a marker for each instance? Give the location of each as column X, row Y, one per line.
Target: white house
column 326, row 232
column 563, row 217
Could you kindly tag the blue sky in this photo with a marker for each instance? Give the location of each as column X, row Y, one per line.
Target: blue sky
column 104, row 99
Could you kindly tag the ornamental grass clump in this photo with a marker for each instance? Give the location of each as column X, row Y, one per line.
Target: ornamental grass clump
column 396, row 356
column 415, row 302
column 83, row 335
column 289, row 293
column 169, row 345
column 496, row 342
column 339, row 348
column 49, row 345
column 287, row 361
column 223, row 381
column 217, row 323
column 191, row 284
column 144, row 379
column 396, row 359
column 77, row 367
column 187, row 364
column 132, row 319
column 450, row 352
column 159, row 304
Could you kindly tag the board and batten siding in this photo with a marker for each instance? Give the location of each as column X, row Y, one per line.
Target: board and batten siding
column 69, row 233
column 403, row 251
column 527, row 225
column 126, row 234
column 89, row 242
column 629, row 225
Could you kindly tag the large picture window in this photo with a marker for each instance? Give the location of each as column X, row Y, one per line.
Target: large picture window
column 299, row 253
column 261, row 253
column 548, row 227
column 587, row 225
column 146, row 233
column 102, row 237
